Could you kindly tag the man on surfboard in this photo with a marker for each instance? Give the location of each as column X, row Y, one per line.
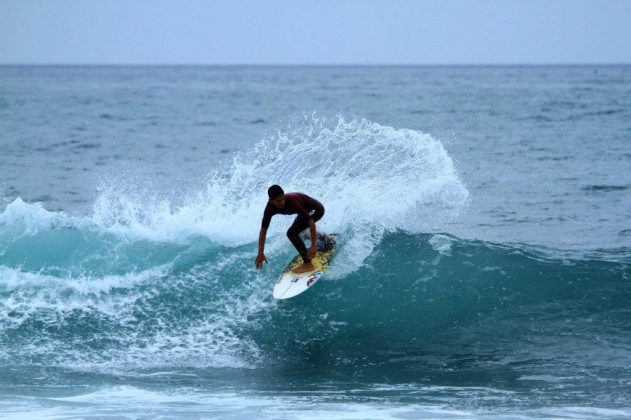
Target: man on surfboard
column 309, row 211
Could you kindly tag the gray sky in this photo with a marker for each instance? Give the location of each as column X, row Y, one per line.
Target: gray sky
column 314, row 32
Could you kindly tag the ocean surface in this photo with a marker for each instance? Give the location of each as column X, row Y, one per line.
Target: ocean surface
column 484, row 222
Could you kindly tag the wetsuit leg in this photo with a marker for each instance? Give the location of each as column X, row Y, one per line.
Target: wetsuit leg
column 294, row 237
column 293, row 233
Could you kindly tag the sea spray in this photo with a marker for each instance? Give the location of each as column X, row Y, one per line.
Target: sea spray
column 369, row 176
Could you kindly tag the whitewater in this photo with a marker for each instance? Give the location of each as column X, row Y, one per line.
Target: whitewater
column 460, row 289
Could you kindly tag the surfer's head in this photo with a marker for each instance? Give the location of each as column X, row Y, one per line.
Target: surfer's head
column 276, row 196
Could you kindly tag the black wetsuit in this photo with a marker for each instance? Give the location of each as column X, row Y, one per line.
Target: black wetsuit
column 306, row 208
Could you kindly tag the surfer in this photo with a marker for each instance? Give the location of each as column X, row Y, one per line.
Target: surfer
column 309, row 211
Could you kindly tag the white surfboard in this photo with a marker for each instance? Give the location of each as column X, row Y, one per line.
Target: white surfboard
column 291, row 284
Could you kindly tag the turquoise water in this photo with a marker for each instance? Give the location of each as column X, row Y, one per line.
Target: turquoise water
column 483, row 220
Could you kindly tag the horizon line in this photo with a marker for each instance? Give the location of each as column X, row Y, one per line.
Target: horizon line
column 516, row 64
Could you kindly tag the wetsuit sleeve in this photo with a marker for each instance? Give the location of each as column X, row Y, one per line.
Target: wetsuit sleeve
column 267, row 218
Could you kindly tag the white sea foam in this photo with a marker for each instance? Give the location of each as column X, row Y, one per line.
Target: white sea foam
column 28, row 293
column 209, row 342
column 29, row 218
column 134, row 401
column 441, row 243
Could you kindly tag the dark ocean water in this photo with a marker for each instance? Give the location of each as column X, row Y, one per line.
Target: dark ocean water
column 484, row 221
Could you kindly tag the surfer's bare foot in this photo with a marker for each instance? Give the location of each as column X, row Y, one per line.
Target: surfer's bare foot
column 304, row 268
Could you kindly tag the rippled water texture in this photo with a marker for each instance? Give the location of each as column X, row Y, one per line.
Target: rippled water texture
column 483, row 220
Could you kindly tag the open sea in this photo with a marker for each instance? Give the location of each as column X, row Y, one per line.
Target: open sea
column 484, row 222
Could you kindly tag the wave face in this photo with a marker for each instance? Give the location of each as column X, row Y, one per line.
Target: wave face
column 146, row 283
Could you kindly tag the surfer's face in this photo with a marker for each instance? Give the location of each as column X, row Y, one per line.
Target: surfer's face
column 279, row 201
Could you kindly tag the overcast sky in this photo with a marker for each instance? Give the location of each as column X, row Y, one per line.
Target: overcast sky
column 314, row 32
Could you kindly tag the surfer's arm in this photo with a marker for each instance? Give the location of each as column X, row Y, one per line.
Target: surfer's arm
column 262, row 235
column 261, row 255
column 312, row 231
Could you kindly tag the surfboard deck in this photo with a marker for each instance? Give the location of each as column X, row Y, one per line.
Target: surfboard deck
column 291, row 284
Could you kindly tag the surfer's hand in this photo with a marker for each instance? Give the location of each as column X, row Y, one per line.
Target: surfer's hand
column 311, row 253
column 259, row 260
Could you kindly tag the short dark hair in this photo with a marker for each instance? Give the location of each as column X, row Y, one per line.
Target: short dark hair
column 274, row 191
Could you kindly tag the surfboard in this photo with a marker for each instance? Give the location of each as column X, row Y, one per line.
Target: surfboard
column 291, row 284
